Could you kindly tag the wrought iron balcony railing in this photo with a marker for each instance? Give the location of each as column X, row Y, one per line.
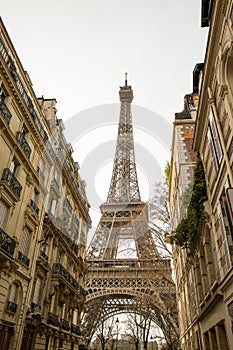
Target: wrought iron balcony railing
column 59, row 270
column 23, row 258
column 11, row 307
column 5, row 111
column 35, row 307
column 11, row 180
column 12, row 69
column 44, row 255
column 53, row 319
column 34, row 207
column 7, row 244
column 24, row 144
column 72, row 244
column 73, row 183
column 65, row 324
column 75, row 329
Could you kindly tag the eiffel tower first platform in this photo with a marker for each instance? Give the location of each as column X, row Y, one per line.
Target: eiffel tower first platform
column 116, row 284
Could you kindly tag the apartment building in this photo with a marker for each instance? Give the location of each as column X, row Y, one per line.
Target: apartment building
column 44, row 218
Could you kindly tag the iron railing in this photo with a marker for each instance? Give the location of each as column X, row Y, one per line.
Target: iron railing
column 24, row 144
column 44, row 255
column 12, row 69
column 59, row 270
column 53, row 319
column 34, row 206
column 11, row 307
column 5, row 111
column 11, row 180
column 75, row 329
column 65, row 324
column 23, row 258
column 7, row 244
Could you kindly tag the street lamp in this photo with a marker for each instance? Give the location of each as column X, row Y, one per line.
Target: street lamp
column 117, row 325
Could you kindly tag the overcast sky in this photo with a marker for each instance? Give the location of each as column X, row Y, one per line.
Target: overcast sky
column 77, row 51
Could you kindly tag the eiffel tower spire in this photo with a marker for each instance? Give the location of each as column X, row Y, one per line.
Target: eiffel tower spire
column 124, row 183
column 124, row 215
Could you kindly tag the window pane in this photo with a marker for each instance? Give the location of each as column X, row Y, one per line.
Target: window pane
column 26, row 240
column 3, row 213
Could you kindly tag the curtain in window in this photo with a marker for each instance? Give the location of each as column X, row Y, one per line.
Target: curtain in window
column 3, row 213
column 36, row 296
column 26, row 240
column 13, row 293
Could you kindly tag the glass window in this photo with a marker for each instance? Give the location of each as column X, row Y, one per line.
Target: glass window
column 3, row 213
column 25, row 242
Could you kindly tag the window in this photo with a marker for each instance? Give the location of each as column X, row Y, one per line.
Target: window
column 53, row 206
column 25, row 242
column 3, row 213
column 214, row 142
column 13, row 293
column 14, row 165
column 36, row 296
column 13, row 298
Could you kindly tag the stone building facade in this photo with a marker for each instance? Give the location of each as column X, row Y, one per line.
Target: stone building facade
column 44, row 218
column 183, row 160
column 204, row 270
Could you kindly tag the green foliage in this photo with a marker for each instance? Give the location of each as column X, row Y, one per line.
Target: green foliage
column 167, row 172
column 187, row 228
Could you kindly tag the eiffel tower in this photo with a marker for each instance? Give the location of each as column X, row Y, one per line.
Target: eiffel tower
column 118, row 282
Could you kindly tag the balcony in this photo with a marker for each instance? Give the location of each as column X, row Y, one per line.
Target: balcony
column 34, row 207
column 5, row 111
column 53, row 319
column 7, row 244
column 65, row 325
column 44, row 255
column 23, row 258
column 23, row 143
column 11, row 180
column 11, row 307
column 13, row 71
column 75, row 329
column 59, row 270
column 35, row 308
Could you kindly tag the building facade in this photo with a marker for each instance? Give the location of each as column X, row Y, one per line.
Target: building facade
column 44, row 218
column 204, row 271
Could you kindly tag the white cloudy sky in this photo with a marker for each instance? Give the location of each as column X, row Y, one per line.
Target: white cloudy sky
column 77, row 51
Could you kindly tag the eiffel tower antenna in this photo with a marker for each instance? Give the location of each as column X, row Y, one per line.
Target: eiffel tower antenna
column 126, row 79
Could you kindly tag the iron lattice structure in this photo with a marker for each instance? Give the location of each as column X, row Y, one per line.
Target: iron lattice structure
column 114, row 284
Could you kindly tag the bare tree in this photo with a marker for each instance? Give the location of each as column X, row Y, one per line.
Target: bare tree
column 138, row 329
column 159, row 218
column 105, row 334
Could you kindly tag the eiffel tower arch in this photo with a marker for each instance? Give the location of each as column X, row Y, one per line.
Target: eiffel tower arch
column 115, row 284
